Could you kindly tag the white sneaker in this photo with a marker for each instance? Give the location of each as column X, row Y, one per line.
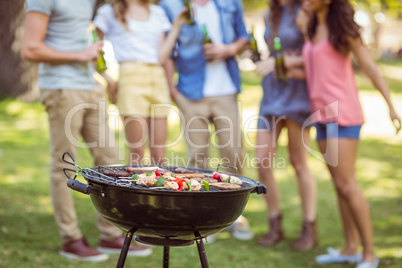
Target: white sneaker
column 210, row 239
column 368, row 264
column 240, row 229
column 334, row 256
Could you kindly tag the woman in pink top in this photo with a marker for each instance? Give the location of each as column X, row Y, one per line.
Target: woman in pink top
column 331, row 36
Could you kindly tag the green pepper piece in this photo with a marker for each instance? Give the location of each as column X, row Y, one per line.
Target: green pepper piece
column 228, row 180
column 135, row 177
column 148, row 174
column 159, row 182
column 205, row 185
column 189, row 186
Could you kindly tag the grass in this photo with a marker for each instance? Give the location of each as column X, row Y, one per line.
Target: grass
column 29, row 237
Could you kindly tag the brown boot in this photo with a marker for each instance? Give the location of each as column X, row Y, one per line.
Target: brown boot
column 275, row 233
column 308, row 237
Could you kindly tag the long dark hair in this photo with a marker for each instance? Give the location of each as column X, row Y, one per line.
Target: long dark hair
column 341, row 25
column 275, row 15
column 120, row 7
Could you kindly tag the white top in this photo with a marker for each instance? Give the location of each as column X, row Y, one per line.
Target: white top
column 217, row 80
column 139, row 43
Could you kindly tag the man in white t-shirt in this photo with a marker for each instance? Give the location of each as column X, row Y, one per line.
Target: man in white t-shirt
column 209, row 80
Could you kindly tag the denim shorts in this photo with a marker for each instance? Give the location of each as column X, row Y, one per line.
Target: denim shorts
column 333, row 130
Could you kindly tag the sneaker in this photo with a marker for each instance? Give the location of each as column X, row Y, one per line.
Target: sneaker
column 334, row 256
column 368, row 264
column 81, row 250
column 240, row 229
column 115, row 246
column 210, row 239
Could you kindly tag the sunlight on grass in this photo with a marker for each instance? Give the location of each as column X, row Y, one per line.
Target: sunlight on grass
column 370, row 169
column 255, row 205
column 384, row 187
column 14, row 108
column 10, row 179
column 395, row 252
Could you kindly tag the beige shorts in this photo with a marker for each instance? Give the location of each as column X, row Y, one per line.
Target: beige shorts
column 143, row 90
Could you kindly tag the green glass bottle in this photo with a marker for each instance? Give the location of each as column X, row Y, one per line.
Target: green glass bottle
column 206, row 39
column 279, row 61
column 256, row 56
column 189, row 13
column 100, row 62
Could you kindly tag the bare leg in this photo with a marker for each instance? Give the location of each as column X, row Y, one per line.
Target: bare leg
column 298, row 158
column 158, row 133
column 136, row 131
column 265, row 153
column 353, row 206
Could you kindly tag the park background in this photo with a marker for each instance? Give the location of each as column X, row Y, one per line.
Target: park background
column 28, row 233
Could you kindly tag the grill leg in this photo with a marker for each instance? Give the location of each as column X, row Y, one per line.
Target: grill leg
column 124, row 250
column 166, row 257
column 202, row 253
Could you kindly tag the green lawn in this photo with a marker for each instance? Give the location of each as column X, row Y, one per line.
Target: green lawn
column 29, row 238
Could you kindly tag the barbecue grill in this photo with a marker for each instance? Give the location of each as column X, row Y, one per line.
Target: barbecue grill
column 157, row 216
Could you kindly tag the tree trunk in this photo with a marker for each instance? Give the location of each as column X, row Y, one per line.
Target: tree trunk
column 17, row 77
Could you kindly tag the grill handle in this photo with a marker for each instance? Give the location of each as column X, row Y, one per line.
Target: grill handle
column 72, row 182
column 79, row 186
column 260, row 188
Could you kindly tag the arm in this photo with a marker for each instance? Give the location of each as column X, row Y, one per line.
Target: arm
column 296, row 60
column 112, row 86
column 302, row 21
column 167, row 43
column 169, row 71
column 34, row 49
column 216, row 51
column 369, row 67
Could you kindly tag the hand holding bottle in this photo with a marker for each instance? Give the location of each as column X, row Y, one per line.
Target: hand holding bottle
column 252, row 43
column 180, row 19
column 91, row 53
column 265, row 67
column 100, row 60
column 217, row 51
column 280, row 69
column 189, row 14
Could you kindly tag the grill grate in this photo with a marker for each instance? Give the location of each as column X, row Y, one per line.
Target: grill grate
column 96, row 174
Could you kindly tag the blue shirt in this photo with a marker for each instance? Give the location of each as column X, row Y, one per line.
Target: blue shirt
column 190, row 60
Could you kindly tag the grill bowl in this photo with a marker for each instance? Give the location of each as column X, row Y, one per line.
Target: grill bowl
column 168, row 214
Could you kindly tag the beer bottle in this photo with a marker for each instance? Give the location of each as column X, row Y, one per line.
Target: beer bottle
column 253, row 47
column 279, row 61
column 189, row 13
column 100, row 62
column 207, row 39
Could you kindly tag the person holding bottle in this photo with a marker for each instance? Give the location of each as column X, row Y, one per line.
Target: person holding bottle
column 55, row 36
column 332, row 36
column 285, row 104
column 136, row 29
column 209, row 82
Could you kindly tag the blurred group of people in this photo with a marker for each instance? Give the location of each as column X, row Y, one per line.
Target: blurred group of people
column 151, row 42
